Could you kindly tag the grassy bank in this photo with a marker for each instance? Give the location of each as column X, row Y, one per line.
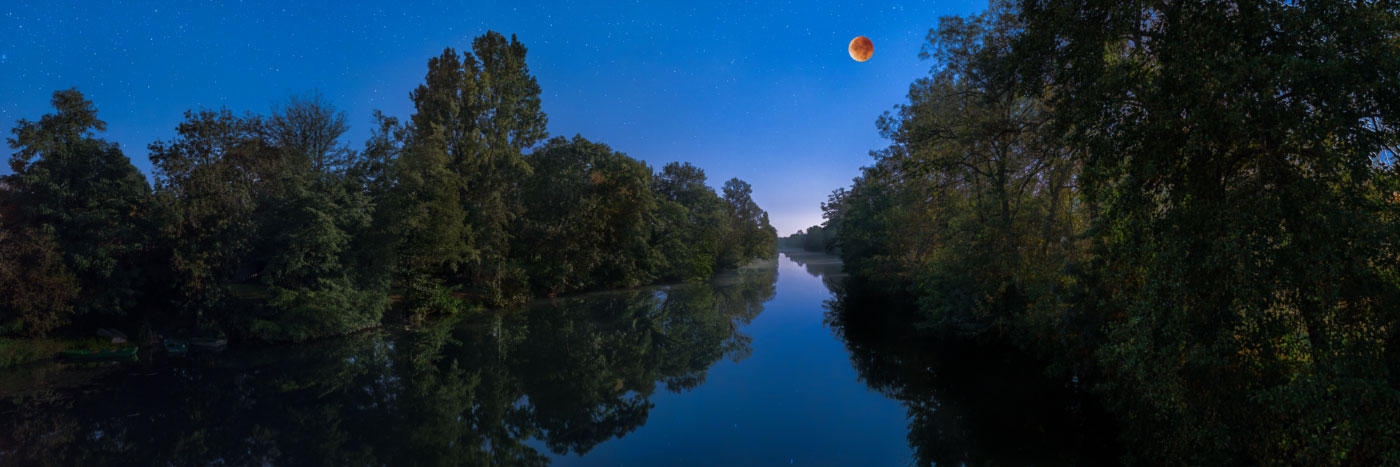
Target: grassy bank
column 15, row 352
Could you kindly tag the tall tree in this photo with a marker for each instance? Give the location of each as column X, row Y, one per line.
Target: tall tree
column 509, row 120
column 988, row 191
column 320, row 284
column 207, row 187
column 476, row 114
column 85, row 195
column 1240, row 157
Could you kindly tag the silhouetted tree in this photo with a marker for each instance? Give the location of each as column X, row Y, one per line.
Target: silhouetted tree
column 78, row 196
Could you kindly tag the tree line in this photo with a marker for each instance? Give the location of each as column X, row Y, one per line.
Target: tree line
column 814, row 238
column 272, row 226
column 1190, row 208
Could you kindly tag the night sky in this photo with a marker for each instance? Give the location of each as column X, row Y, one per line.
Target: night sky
column 761, row 91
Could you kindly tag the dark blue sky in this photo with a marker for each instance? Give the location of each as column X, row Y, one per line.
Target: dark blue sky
column 760, row 91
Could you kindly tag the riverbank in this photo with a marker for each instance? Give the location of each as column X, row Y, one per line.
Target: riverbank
column 15, row 352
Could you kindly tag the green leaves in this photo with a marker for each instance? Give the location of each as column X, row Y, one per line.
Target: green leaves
column 271, row 226
column 1233, row 151
column 80, row 197
column 589, row 215
column 595, row 218
column 1195, row 199
column 475, row 115
column 750, row 236
column 279, row 202
column 36, row 289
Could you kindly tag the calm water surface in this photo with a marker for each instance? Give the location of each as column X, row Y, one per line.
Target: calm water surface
column 764, row 367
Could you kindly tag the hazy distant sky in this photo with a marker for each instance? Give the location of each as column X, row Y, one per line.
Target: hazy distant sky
column 763, row 91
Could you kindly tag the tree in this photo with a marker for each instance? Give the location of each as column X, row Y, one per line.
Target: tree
column 428, row 221
column 474, row 116
column 271, row 226
column 1238, row 155
column 36, row 289
column 374, row 169
column 207, row 183
column 814, row 238
column 79, row 196
column 1196, row 199
column 320, row 285
column 682, row 183
column 690, row 222
column 749, row 234
column 271, row 207
column 590, row 215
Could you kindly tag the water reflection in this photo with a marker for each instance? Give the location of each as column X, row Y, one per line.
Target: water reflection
column 968, row 403
column 558, row 379
column 819, row 265
column 568, row 373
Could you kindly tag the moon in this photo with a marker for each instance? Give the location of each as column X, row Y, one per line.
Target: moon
column 861, row 48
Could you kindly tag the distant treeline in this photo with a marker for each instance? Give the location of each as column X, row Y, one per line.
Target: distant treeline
column 271, row 226
column 814, row 238
column 1189, row 208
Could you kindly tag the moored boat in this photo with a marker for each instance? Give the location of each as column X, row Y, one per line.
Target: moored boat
column 107, row 355
column 208, row 343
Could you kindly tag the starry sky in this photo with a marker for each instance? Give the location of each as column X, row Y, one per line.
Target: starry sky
column 763, row 91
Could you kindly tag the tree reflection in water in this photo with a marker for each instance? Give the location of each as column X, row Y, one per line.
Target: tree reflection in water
column 820, row 265
column 475, row 390
column 968, row 403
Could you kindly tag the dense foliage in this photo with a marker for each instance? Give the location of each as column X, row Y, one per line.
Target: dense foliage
column 1190, row 204
column 73, row 217
column 272, row 226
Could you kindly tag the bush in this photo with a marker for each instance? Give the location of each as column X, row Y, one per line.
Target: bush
column 298, row 315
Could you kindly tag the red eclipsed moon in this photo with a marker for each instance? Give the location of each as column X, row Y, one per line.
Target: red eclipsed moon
column 861, row 48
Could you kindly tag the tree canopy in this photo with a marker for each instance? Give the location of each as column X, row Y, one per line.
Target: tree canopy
column 1190, row 205
column 272, row 226
column 77, row 208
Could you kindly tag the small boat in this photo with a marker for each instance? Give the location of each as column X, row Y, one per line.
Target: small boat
column 209, row 343
column 176, row 346
column 125, row 353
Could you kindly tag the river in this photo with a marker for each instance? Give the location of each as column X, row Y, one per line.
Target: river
column 763, row 366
